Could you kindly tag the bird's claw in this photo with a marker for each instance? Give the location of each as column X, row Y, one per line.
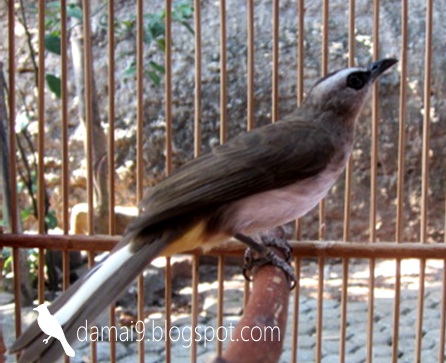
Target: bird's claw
column 253, row 259
column 46, row 340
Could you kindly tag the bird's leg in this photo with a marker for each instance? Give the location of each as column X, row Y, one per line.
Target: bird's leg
column 266, row 255
column 46, row 340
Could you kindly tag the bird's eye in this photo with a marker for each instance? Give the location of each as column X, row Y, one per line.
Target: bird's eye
column 357, row 80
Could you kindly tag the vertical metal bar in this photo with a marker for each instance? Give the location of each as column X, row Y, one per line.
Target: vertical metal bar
column 223, row 73
column 64, row 114
column 324, row 70
column 344, row 301
column 441, row 348
column 12, row 112
column 13, row 166
column 322, row 209
column 66, row 280
column 89, row 133
column 113, row 333
column 111, row 155
column 325, row 17
column 347, row 201
column 88, row 111
column 168, row 86
column 250, row 65
column 275, row 70
column 41, row 146
column 41, row 117
column 93, row 351
column 223, row 136
column 399, row 230
column 139, row 99
column 300, row 75
column 426, row 125
column 375, row 116
column 295, row 328
column 194, row 320
column 349, row 168
column 64, row 132
column 140, row 147
column 371, row 310
column 197, row 151
column 424, row 173
column 420, row 312
column 402, row 124
column 197, row 99
column 220, row 299
column 168, row 111
column 17, row 291
column 111, row 118
column 168, row 299
column 41, row 276
column 298, row 233
column 140, row 314
column 320, row 310
column 373, row 187
column 300, row 51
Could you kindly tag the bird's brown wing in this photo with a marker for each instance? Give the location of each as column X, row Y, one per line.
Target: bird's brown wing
column 268, row 157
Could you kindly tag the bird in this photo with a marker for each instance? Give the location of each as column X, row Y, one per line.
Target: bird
column 50, row 326
column 257, row 180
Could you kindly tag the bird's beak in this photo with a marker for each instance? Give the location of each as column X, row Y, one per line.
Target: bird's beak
column 377, row 68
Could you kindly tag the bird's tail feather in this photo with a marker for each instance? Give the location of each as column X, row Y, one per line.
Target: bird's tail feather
column 86, row 299
column 67, row 347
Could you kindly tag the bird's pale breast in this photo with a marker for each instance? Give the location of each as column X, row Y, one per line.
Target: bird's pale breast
column 269, row 209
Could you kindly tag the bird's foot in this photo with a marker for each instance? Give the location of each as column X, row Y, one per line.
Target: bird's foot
column 258, row 255
column 47, row 339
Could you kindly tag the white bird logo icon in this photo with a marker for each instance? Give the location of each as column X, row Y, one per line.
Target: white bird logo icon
column 51, row 326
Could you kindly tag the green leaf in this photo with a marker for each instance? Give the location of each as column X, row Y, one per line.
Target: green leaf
column 130, row 70
column 51, row 220
column 188, row 27
column 52, row 43
column 161, row 44
column 156, row 26
column 54, row 84
column 158, row 67
column 25, row 214
column 7, row 266
column 53, row 5
column 74, row 11
column 154, row 77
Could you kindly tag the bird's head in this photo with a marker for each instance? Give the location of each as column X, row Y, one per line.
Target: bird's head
column 344, row 92
column 40, row 308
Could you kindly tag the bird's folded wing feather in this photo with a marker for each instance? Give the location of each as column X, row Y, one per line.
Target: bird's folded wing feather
column 269, row 157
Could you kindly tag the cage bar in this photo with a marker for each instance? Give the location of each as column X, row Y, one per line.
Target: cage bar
column 64, row 115
column 40, row 148
column 198, row 61
column 223, row 73
column 399, row 230
column 88, row 81
column 347, row 202
column 250, row 64
column 424, row 174
column 275, row 60
column 111, row 118
column 64, row 131
column 140, row 149
column 194, row 306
